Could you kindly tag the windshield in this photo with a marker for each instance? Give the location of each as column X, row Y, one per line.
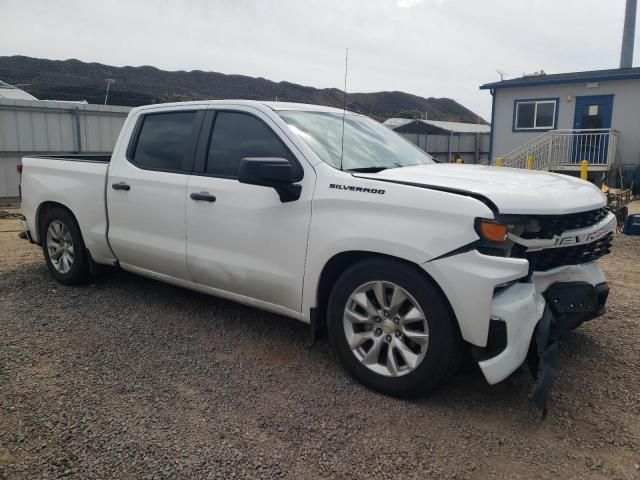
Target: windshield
column 368, row 145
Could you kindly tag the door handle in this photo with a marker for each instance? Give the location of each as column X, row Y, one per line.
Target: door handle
column 121, row 186
column 203, row 197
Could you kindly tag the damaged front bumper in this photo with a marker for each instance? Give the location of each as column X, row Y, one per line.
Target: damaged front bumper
column 569, row 304
column 505, row 312
column 533, row 315
column 522, row 305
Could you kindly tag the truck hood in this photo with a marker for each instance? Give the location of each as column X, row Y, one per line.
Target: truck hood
column 513, row 191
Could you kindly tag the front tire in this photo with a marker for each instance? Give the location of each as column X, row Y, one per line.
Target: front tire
column 392, row 329
column 63, row 247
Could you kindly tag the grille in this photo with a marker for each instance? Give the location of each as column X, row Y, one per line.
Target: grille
column 551, row 225
column 549, row 258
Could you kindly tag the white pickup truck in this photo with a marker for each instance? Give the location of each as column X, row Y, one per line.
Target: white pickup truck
column 330, row 218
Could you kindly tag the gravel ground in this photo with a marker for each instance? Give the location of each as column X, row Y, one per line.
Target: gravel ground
column 130, row 378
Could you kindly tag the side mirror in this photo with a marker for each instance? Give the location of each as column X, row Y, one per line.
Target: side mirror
column 278, row 173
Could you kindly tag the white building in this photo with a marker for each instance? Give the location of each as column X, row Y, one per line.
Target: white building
column 561, row 119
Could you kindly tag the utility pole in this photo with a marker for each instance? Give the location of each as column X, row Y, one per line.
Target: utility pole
column 626, row 53
column 106, row 95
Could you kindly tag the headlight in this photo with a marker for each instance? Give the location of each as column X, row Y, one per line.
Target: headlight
column 496, row 235
column 491, row 231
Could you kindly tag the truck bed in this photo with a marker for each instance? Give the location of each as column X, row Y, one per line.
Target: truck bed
column 76, row 181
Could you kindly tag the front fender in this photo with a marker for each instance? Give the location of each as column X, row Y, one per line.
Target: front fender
column 407, row 222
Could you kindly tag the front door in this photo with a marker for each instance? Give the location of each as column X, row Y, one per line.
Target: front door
column 242, row 239
column 593, row 116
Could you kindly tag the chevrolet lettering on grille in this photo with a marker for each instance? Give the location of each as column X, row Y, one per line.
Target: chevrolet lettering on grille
column 568, row 240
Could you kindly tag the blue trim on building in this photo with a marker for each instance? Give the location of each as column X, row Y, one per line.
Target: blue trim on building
column 493, row 123
column 540, row 81
column 529, row 130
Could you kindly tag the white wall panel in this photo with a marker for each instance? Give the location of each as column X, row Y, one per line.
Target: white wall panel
column 44, row 127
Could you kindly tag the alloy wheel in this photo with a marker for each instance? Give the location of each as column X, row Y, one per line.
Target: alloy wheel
column 386, row 329
column 60, row 246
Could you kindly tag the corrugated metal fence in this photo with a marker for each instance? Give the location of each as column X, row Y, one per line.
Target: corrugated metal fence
column 471, row 147
column 41, row 127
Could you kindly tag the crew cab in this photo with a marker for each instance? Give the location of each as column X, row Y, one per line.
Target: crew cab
column 330, row 218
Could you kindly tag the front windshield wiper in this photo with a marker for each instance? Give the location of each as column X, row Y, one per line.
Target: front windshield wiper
column 367, row 169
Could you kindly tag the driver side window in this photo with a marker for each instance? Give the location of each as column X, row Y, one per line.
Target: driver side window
column 236, row 136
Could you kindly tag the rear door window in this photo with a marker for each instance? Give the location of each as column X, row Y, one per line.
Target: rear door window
column 164, row 141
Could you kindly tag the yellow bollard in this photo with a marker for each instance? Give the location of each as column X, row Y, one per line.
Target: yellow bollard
column 584, row 168
column 530, row 162
column 459, row 161
column 498, row 161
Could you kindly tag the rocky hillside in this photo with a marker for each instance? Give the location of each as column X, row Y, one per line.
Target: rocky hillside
column 76, row 80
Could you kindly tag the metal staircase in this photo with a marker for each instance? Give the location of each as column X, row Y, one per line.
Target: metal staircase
column 565, row 149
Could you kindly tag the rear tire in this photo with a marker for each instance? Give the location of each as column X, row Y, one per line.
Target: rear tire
column 63, row 247
column 403, row 345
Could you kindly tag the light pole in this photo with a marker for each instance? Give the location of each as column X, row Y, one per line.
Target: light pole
column 106, row 95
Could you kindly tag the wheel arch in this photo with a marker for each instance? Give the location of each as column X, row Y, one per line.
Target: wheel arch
column 41, row 213
column 340, row 262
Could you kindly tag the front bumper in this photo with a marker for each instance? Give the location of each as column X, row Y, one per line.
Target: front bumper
column 485, row 291
column 522, row 305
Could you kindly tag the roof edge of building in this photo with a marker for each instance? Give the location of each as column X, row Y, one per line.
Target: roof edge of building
column 561, row 78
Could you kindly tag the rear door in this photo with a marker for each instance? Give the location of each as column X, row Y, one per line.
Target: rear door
column 146, row 192
column 247, row 241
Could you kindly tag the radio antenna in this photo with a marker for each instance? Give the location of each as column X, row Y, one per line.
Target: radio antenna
column 344, row 101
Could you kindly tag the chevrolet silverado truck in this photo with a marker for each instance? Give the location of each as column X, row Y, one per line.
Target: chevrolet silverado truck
column 330, row 218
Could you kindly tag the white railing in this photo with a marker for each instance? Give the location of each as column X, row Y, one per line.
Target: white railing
column 537, row 149
column 566, row 148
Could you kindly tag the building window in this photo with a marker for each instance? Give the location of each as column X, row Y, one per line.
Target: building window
column 535, row 114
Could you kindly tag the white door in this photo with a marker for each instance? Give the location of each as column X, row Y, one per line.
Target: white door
column 146, row 193
column 247, row 242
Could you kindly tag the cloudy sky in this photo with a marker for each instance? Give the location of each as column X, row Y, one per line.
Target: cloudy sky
column 439, row 48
